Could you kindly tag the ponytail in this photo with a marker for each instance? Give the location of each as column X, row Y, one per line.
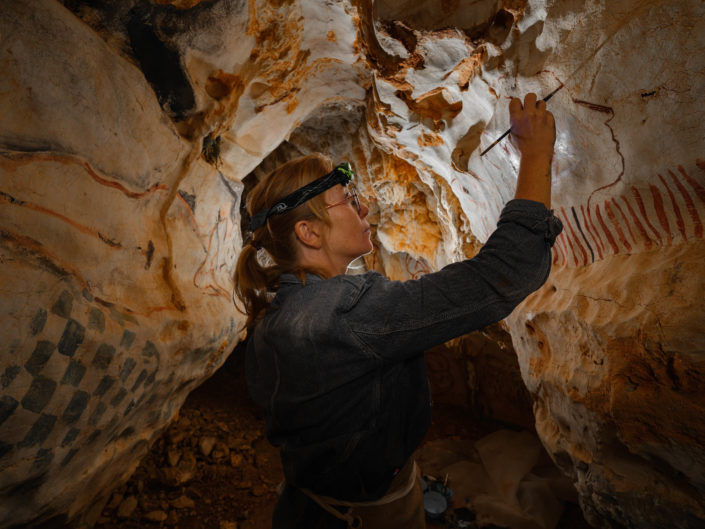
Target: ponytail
column 256, row 280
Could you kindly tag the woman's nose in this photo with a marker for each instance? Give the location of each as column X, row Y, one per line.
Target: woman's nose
column 364, row 210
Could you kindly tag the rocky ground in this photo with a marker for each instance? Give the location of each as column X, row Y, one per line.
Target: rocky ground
column 214, row 469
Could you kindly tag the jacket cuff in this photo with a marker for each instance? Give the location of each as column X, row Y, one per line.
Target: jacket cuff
column 534, row 216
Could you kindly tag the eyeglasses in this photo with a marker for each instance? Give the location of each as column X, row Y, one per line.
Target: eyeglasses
column 353, row 196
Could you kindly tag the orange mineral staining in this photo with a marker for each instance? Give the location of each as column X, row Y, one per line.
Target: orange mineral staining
column 430, row 139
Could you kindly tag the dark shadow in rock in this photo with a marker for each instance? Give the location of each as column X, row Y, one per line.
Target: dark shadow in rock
column 161, row 66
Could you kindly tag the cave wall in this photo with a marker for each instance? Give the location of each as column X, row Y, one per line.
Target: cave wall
column 128, row 131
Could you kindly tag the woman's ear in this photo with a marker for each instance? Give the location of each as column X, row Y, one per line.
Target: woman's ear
column 308, row 232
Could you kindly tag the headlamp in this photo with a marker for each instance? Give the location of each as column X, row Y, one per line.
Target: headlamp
column 342, row 174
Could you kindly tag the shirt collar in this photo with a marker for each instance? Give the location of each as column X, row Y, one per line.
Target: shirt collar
column 291, row 279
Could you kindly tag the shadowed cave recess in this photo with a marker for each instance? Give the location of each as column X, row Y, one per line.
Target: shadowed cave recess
column 130, row 134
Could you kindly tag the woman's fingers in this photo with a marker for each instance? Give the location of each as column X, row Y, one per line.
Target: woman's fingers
column 514, row 106
column 532, row 126
column 529, row 102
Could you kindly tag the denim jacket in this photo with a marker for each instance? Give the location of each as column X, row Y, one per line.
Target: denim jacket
column 338, row 366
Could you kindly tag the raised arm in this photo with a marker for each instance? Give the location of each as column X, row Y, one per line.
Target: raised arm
column 533, row 133
column 394, row 319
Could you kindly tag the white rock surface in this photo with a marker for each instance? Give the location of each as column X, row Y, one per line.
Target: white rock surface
column 126, row 133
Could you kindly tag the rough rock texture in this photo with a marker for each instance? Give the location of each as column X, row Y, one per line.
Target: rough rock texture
column 127, row 133
column 118, row 241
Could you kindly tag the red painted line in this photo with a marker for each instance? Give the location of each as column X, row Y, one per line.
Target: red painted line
column 63, row 218
column 624, row 217
column 676, row 209
column 120, row 187
column 610, row 239
column 615, row 223
column 570, row 244
column 557, row 245
column 647, row 239
column 690, row 206
column 660, row 212
column 20, row 159
column 610, row 111
column 598, row 239
column 577, row 241
column 589, row 229
column 567, row 250
column 642, row 209
column 564, row 247
column 197, row 227
column 699, row 190
column 49, row 259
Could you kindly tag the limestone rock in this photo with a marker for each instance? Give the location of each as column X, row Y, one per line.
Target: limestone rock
column 127, row 507
column 206, row 444
column 612, row 348
column 501, row 479
column 118, row 246
column 183, row 502
column 155, row 516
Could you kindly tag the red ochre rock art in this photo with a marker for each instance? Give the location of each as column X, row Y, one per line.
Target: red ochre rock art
column 122, row 175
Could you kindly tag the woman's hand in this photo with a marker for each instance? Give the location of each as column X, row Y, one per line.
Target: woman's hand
column 534, row 134
column 533, row 128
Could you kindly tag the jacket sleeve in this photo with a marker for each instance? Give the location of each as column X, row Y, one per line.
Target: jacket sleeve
column 397, row 319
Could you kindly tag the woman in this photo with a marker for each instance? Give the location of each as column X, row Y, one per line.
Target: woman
column 337, row 361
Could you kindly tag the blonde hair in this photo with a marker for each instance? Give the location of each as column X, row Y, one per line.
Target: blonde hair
column 255, row 281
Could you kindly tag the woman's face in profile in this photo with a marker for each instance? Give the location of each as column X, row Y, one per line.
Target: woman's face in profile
column 348, row 236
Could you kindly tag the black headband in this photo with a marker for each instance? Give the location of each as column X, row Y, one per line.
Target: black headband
column 342, row 174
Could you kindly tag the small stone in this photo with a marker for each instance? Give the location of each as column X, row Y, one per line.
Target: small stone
column 172, row 518
column 177, row 436
column 206, row 444
column 222, row 426
column 228, row 525
column 173, row 456
column 221, row 451
column 127, row 507
column 148, row 504
column 173, row 477
column 115, row 501
column 183, row 502
column 236, row 459
column 155, row 516
column 184, row 472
